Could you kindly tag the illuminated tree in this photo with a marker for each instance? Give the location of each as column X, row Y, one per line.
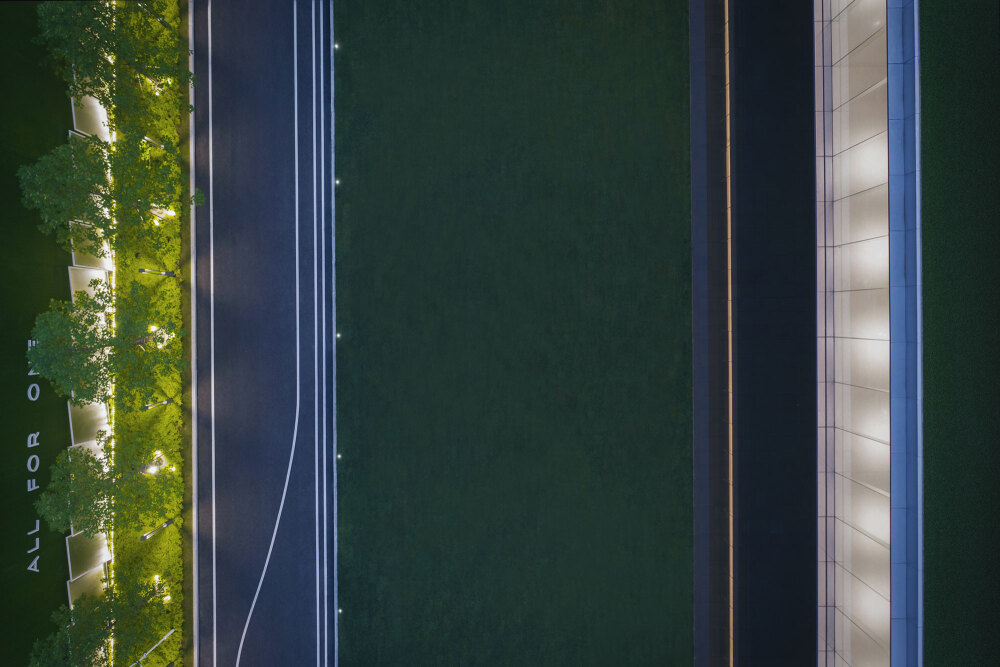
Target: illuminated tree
column 106, row 47
column 81, row 637
column 83, row 353
column 75, row 343
column 79, row 494
column 82, row 36
column 83, row 633
column 116, row 190
column 71, row 183
column 130, row 487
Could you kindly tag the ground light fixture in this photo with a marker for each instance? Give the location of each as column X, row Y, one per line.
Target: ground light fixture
column 158, row 463
column 156, row 405
column 166, row 213
column 169, row 274
column 165, row 25
column 159, row 588
column 146, row 536
column 161, row 343
column 338, row 334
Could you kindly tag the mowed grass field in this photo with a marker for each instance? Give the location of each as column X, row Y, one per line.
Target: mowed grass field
column 513, row 294
column 34, row 118
column 960, row 94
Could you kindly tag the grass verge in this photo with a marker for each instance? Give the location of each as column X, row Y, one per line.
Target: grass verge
column 513, row 278
column 162, row 555
column 960, row 93
column 34, row 119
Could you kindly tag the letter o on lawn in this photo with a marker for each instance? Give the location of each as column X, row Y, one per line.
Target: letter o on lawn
column 33, row 392
column 33, row 463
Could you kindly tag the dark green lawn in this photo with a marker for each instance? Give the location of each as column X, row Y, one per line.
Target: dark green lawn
column 960, row 89
column 34, row 117
column 513, row 279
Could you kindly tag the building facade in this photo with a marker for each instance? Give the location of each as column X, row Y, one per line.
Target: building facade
column 806, row 274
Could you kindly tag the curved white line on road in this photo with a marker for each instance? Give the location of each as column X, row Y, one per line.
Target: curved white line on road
column 295, row 429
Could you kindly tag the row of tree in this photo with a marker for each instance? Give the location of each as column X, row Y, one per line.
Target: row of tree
column 115, row 193
column 130, row 486
column 136, row 67
column 104, row 345
column 119, row 342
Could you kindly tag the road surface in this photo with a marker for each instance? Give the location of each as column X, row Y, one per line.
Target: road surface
column 264, row 332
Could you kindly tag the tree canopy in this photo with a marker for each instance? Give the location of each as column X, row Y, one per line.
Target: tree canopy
column 115, row 190
column 74, row 345
column 84, row 632
column 109, row 50
column 82, row 351
column 82, row 36
column 71, row 183
column 79, row 493
column 81, row 638
column 129, row 487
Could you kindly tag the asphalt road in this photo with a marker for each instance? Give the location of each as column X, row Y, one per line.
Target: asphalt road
column 264, row 331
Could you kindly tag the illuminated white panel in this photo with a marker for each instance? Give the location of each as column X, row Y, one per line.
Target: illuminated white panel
column 857, row 648
column 863, row 460
column 854, row 353
column 861, row 216
column 856, row 25
column 862, row 411
column 862, row 314
column 863, row 557
column 861, row 167
column 862, row 362
column 864, row 509
column 861, row 118
column 859, row 71
column 862, row 265
column 869, row 610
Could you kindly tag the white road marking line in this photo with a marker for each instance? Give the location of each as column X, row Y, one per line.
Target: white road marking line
column 333, row 328
column 211, row 288
column 194, row 347
column 315, row 334
column 295, row 430
column 322, row 198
